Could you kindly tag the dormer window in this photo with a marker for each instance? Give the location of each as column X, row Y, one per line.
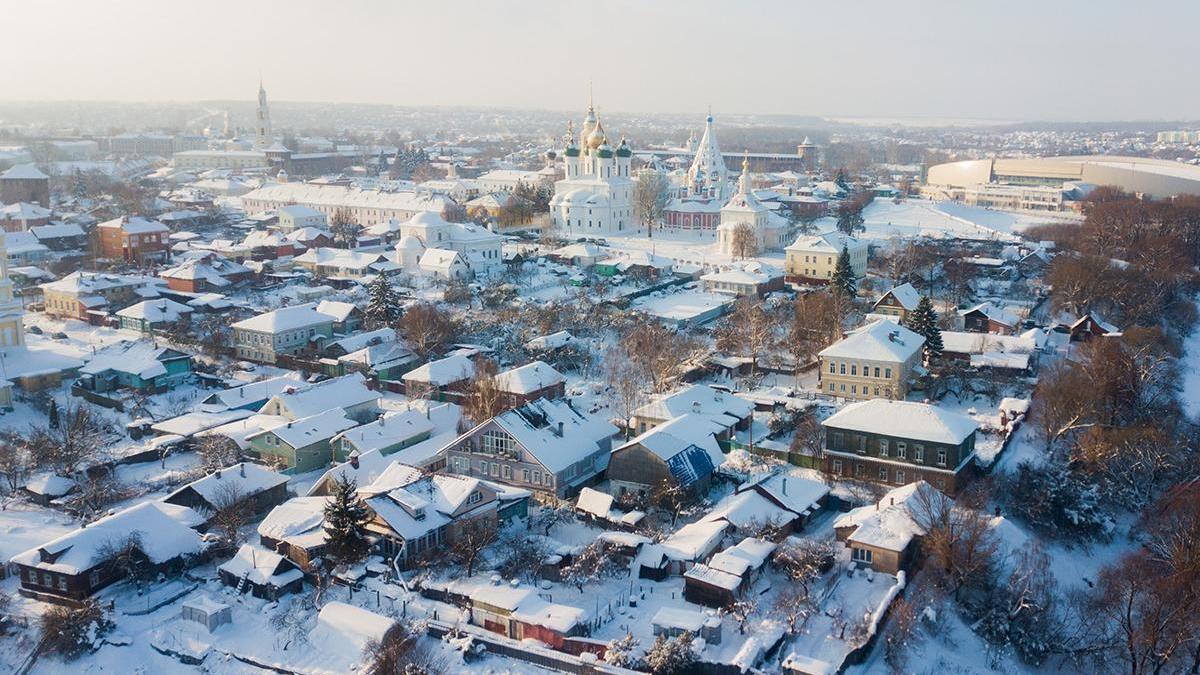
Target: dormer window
column 419, row 513
column 475, row 497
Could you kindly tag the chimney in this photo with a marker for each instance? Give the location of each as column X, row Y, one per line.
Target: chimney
column 289, row 424
column 892, row 500
column 217, row 474
column 785, row 485
column 560, row 429
column 242, row 469
column 354, row 459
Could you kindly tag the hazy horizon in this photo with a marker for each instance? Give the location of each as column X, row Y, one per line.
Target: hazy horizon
column 1017, row 62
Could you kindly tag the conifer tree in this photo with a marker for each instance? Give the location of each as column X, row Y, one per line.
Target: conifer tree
column 924, row 322
column 843, row 274
column 383, row 308
column 53, row 415
column 345, row 520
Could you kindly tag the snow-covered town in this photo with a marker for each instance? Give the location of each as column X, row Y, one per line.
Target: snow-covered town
column 429, row 387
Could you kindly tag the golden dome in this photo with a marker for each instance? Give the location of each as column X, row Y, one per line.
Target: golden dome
column 597, row 137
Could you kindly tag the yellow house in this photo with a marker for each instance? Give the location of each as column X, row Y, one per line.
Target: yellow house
column 814, row 257
column 898, row 302
column 874, row 361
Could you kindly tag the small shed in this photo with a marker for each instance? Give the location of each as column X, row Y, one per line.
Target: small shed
column 205, row 611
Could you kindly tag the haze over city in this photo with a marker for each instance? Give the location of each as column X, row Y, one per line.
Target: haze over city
column 599, row 338
column 1016, row 61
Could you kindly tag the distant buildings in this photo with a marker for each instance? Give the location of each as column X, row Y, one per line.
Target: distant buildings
column 284, row 331
column 79, row 294
column 365, row 207
column 133, row 239
column 25, row 183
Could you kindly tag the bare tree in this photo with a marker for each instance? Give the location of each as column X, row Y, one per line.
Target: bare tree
column 591, row 565
column 469, row 541
column 402, row 651
column 743, row 242
column 232, row 510
column 625, row 384
column 958, row 540
column 216, row 451
column 427, row 328
column 125, row 555
column 651, row 193
column 76, row 442
column 484, row 398
column 16, row 462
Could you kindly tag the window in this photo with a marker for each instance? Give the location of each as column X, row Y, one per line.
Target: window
column 842, row 368
column 506, row 471
column 831, row 387
column 941, row 457
column 838, row 439
column 887, row 372
column 919, row 453
column 853, row 369
column 837, row 467
column 861, row 555
column 495, row 469
column 475, row 497
column 62, row 583
column 902, row 449
column 859, row 470
column 498, row 443
column 876, row 371
column 883, row 447
column 899, row 477
column 883, row 473
column 537, row 476
column 483, row 468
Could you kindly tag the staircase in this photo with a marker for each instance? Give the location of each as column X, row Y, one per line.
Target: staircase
column 242, row 583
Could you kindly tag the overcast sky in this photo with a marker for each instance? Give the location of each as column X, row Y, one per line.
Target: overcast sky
column 987, row 59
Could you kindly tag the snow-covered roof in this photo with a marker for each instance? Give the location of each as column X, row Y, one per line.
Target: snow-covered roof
column 694, row 541
column 796, row 493
column 749, row 554
column 27, row 211
column 904, row 419
column 345, row 630
column 535, row 426
column 23, row 172
column 744, row 274
column 298, row 520
column 156, row 311
column 906, row 294
column 442, row 371
column 239, row 431
column 393, row 428
column 137, row 357
column 890, row 524
column 961, row 342
column 49, row 484
column 594, row 502
column 338, row 196
column 679, row 618
column 414, row 504
column 305, row 431
column 722, row 407
column 340, row 311
column 357, row 341
column 190, row 424
column 298, row 211
column 340, row 393
column 993, row 313
column 827, row 242
column 261, row 567
column 340, row 257
column 552, row 341
column 687, row 444
column 253, row 391
column 87, row 283
column 56, row 231
column 528, row 378
column 244, row 478
column 877, row 341
column 165, row 531
column 370, row 465
column 285, row 319
column 134, row 225
column 713, row 577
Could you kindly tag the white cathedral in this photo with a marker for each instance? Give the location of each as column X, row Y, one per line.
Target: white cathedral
column 596, row 194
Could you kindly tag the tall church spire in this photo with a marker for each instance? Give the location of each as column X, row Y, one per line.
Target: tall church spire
column 262, row 130
column 708, row 174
